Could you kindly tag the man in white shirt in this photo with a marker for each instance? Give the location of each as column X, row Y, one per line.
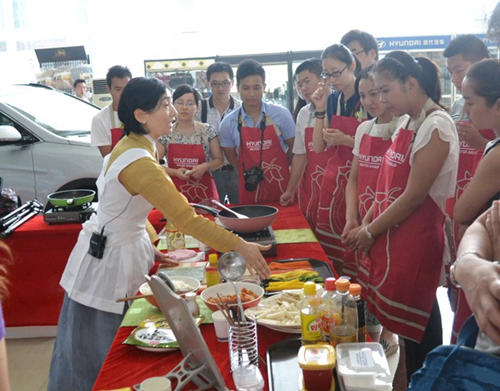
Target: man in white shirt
column 80, row 89
column 220, row 77
column 106, row 121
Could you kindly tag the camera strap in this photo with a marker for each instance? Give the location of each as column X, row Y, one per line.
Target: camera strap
column 262, row 127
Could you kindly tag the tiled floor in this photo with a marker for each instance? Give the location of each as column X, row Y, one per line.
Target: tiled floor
column 29, row 359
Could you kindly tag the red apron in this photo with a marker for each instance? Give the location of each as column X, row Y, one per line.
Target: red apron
column 467, row 164
column 371, row 153
column 116, row 135
column 189, row 156
column 310, row 184
column 275, row 166
column 468, row 161
column 116, row 132
column 404, row 264
column 330, row 218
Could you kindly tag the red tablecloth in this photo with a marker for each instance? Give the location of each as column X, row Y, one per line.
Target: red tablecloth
column 126, row 365
column 40, row 254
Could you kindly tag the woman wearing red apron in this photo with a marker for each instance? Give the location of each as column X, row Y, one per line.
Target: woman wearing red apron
column 343, row 109
column 405, row 240
column 192, row 150
column 307, row 166
column 370, row 144
column 479, row 89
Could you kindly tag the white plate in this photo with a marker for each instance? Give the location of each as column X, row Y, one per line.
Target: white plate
column 193, row 283
column 252, row 313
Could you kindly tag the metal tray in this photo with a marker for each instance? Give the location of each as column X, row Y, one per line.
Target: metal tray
column 283, row 371
column 322, row 268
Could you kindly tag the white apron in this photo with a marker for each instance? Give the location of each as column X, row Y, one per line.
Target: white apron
column 128, row 254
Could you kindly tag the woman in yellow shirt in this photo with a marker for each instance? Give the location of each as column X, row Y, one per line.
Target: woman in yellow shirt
column 131, row 183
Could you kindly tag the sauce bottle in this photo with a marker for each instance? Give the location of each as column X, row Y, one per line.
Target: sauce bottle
column 212, row 276
column 355, row 291
column 345, row 315
column 325, row 308
column 309, row 315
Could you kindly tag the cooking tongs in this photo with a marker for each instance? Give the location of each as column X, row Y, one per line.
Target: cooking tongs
column 19, row 216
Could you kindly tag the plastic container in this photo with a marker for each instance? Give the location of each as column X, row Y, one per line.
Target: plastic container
column 317, row 363
column 310, row 315
column 355, row 291
column 212, row 276
column 325, row 308
column 156, row 384
column 363, row 366
column 344, row 315
column 175, row 238
column 248, row 378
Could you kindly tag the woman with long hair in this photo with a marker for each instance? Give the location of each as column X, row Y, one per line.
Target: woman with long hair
column 338, row 115
column 404, row 230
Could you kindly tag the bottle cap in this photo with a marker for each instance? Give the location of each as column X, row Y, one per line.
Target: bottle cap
column 213, row 259
column 309, row 288
column 355, row 289
column 330, row 284
column 342, row 284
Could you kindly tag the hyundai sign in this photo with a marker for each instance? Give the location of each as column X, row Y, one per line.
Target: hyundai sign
column 432, row 42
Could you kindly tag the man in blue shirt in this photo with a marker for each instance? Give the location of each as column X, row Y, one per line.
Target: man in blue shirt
column 257, row 139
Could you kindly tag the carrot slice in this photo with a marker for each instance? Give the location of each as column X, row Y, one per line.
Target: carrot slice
column 286, row 266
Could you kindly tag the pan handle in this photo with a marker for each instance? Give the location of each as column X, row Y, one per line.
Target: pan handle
column 206, row 208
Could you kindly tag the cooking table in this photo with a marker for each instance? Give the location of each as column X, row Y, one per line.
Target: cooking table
column 126, row 365
column 40, row 254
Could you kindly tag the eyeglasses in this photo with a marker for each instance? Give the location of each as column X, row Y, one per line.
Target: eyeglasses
column 225, row 84
column 182, row 103
column 357, row 52
column 335, row 74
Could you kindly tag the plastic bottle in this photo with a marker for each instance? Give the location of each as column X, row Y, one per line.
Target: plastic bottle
column 212, row 276
column 309, row 315
column 345, row 315
column 175, row 238
column 325, row 308
column 355, row 291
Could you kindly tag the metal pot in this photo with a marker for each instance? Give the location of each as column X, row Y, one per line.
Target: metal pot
column 70, row 198
column 260, row 217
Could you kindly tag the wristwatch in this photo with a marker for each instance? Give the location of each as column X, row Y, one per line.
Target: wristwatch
column 453, row 279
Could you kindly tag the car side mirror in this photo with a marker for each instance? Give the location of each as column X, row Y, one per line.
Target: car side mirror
column 9, row 133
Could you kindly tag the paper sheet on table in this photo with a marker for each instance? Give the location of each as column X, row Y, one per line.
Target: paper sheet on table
column 142, row 309
column 302, row 235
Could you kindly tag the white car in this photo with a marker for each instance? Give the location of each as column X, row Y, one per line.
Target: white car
column 45, row 142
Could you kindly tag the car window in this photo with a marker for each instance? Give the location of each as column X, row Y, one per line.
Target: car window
column 58, row 113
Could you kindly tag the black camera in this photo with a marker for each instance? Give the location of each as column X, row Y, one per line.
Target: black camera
column 253, row 177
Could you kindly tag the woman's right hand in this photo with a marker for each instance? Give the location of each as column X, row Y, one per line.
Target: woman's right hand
column 182, row 173
column 320, row 96
column 253, row 256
